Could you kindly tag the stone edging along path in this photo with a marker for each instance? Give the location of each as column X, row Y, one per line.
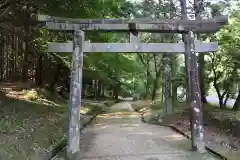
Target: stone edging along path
column 185, row 135
column 63, row 143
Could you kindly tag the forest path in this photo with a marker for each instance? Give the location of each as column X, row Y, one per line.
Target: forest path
column 122, row 136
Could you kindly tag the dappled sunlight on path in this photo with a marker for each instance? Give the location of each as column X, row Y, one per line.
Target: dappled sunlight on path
column 119, row 115
column 122, row 136
column 129, row 139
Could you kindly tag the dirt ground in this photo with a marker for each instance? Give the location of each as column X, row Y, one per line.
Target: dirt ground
column 217, row 136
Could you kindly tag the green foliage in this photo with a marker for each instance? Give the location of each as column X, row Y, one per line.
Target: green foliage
column 146, row 69
column 223, row 66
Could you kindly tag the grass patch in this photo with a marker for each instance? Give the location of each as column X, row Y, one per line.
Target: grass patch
column 221, row 113
column 31, row 124
column 28, row 129
column 183, row 108
column 221, row 135
column 156, row 111
column 42, row 96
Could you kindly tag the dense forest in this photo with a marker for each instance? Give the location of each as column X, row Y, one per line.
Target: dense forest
column 24, row 57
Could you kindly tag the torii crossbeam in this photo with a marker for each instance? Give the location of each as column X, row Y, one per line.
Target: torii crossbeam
column 171, row 48
column 140, row 24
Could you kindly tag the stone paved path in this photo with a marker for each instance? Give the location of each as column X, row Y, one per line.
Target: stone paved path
column 125, row 137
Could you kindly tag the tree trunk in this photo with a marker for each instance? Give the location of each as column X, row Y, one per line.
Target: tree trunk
column 26, row 52
column 116, row 91
column 220, row 97
column 7, row 57
column 201, row 77
column 55, row 78
column 39, row 69
column 221, row 104
column 154, row 91
column 83, row 87
column 1, row 57
column 99, row 90
column 225, row 100
column 147, row 86
column 103, row 90
column 95, row 89
column 236, row 105
column 155, row 86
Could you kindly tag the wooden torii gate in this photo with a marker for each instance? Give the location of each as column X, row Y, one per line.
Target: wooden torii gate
column 79, row 46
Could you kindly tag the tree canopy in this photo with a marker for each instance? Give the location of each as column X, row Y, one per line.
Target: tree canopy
column 24, row 57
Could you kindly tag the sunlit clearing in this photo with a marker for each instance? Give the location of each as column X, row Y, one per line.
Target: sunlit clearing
column 158, row 134
column 175, row 137
column 108, row 116
column 119, row 115
column 131, row 125
column 48, row 103
column 84, row 110
column 103, row 127
column 145, row 133
column 144, row 109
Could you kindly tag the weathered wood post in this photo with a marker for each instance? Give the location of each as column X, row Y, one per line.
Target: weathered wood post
column 189, row 58
column 195, row 104
column 73, row 147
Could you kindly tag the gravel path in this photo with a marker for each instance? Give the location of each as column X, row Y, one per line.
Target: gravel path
column 123, row 136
